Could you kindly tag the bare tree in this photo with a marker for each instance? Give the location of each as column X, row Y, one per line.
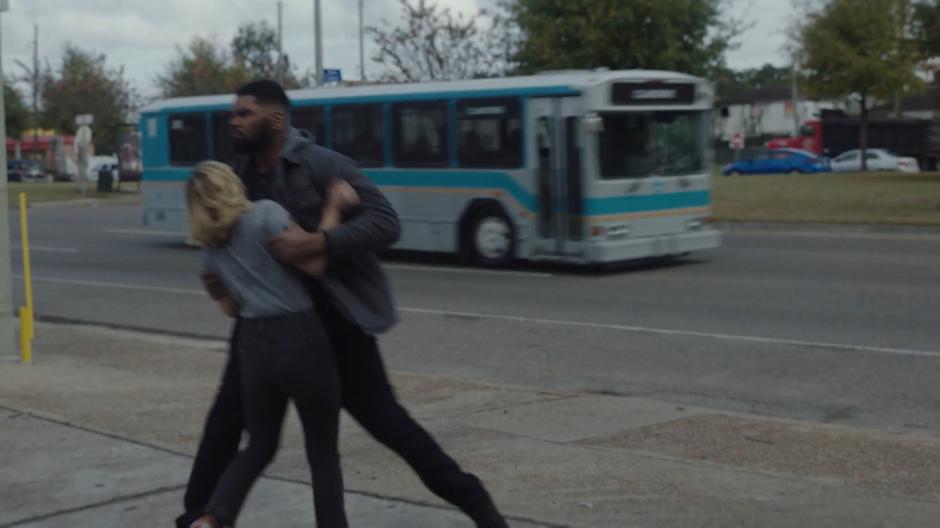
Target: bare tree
column 433, row 43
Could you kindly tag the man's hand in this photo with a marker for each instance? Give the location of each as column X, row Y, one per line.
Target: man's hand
column 294, row 244
column 213, row 285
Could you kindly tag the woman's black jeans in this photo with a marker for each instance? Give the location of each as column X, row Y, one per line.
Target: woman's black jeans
column 280, row 358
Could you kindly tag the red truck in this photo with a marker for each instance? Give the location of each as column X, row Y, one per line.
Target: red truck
column 836, row 133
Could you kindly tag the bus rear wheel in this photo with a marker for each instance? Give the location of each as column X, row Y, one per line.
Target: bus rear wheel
column 491, row 238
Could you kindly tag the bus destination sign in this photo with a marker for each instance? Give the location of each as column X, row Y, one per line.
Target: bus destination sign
column 652, row 93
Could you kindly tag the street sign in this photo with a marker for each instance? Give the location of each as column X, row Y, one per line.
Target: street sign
column 332, row 75
column 737, row 141
column 84, row 119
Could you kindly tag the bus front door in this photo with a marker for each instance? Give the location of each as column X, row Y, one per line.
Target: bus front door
column 558, row 166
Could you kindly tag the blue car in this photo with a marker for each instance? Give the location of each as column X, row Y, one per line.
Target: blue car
column 779, row 161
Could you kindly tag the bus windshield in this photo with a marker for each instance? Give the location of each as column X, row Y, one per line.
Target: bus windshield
column 640, row 144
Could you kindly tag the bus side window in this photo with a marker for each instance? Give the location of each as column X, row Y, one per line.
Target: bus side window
column 310, row 118
column 421, row 134
column 490, row 133
column 188, row 144
column 358, row 133
column 222, row 138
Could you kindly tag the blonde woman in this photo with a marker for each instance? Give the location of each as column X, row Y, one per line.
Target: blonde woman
column 281, row 345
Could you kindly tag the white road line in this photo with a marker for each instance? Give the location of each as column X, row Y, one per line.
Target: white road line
column 46, row 248
column 670, row 332
column 467, row 271
column 115, row 285
column 906, row 237
column 144, row 232
column 549, row 322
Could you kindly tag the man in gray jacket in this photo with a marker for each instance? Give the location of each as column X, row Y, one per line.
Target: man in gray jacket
column 352, row 298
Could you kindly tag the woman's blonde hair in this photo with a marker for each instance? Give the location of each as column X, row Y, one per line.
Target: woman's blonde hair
column 215, row 198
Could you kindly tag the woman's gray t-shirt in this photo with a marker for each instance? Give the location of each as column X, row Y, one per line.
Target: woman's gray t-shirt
column 261, row 285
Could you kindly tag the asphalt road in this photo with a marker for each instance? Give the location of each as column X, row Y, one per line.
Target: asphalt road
column 825, row 326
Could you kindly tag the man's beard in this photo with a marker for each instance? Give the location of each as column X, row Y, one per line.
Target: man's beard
column 263, row 140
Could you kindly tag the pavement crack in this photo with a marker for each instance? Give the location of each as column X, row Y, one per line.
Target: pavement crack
column 115, row 500
column 491, row 408
column 99, row 432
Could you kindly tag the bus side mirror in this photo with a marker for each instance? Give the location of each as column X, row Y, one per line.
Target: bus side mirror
column 592, row 123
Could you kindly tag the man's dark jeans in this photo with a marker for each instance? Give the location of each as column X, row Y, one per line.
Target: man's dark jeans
column 368, row 397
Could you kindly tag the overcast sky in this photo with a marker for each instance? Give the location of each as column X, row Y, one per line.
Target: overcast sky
column 142, row 35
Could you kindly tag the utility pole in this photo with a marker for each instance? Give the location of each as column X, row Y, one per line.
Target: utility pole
column 902, row 7
column 362, row 53
column 795, row 95
column 318, row 42
column 7, row 327
column 35, row 89
column 280, row 42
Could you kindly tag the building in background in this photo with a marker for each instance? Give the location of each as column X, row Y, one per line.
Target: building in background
column 765, row 112
column 914, row 106
column 56, row 151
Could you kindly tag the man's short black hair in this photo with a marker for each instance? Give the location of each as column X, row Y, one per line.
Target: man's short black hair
column 266, row 91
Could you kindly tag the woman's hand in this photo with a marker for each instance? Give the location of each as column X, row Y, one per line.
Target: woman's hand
column 341, row 195
column 213, row 285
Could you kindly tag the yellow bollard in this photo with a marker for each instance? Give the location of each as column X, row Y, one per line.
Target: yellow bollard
column 26, row 346
column 26, row 313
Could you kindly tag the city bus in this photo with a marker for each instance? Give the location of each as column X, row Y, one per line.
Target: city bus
column 586, row 167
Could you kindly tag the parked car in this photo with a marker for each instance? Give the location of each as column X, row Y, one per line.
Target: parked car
column 25, row 171
column 779, row 161
column 878, row 160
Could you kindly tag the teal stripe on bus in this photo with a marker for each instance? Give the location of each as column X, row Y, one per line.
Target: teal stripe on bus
column 496, row 180
column 646, row 202
column 455, row 180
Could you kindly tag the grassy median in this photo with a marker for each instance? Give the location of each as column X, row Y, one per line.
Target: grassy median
column 58, row 192
column 864, row 198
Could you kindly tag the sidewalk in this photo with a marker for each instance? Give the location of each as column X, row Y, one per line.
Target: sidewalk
column 99, row 432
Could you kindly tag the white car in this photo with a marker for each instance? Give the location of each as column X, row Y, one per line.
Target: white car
column 878, row 160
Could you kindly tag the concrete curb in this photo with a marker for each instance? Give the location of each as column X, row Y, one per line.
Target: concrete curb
column 82, row 202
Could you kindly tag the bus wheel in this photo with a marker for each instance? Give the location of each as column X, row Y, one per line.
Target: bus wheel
column 492, row 238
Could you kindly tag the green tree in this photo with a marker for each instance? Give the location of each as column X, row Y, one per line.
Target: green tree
column 925, row 30
column 255, row 50
column 854, row 47
column 17, row 113
column 202, row 68
column 431, row 43
column 84, row 84
column 691, row 36
column 925, row 27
